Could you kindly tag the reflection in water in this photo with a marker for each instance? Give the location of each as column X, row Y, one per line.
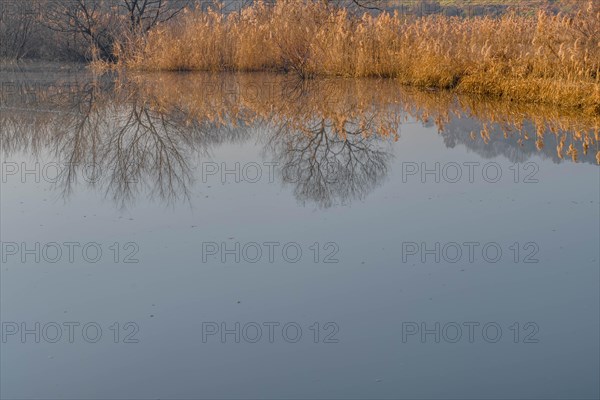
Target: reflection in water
column 325, row 165
column 332, row 138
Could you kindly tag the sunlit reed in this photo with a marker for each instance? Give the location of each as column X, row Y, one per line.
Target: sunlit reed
column 552, row 59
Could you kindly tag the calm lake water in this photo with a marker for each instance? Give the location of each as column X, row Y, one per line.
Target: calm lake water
column 252, row 236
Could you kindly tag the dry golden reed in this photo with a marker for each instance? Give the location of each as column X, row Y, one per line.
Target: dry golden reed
column 552, row 59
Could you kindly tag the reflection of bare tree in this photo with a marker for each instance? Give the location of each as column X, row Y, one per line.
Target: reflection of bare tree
column 120, row 144
column 145, row 143
column 325, row 167
column 336, row 153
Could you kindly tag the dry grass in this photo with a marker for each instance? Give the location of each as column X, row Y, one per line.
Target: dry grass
column 552, row 59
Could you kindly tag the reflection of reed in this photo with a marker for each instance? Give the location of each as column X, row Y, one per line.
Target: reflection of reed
column 375, row 107
column 331, row 137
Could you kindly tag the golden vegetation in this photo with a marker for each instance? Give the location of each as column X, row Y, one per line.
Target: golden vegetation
column 552, row 59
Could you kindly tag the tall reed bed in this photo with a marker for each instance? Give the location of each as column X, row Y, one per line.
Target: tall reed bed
column 552, row 59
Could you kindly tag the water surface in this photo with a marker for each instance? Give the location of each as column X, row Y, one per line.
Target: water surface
column 384, row 190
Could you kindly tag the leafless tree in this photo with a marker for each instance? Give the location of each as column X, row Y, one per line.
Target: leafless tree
column 99, row 24
column 145, row 14
column 89, row 22
column 17, row 29
column 359, row 5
